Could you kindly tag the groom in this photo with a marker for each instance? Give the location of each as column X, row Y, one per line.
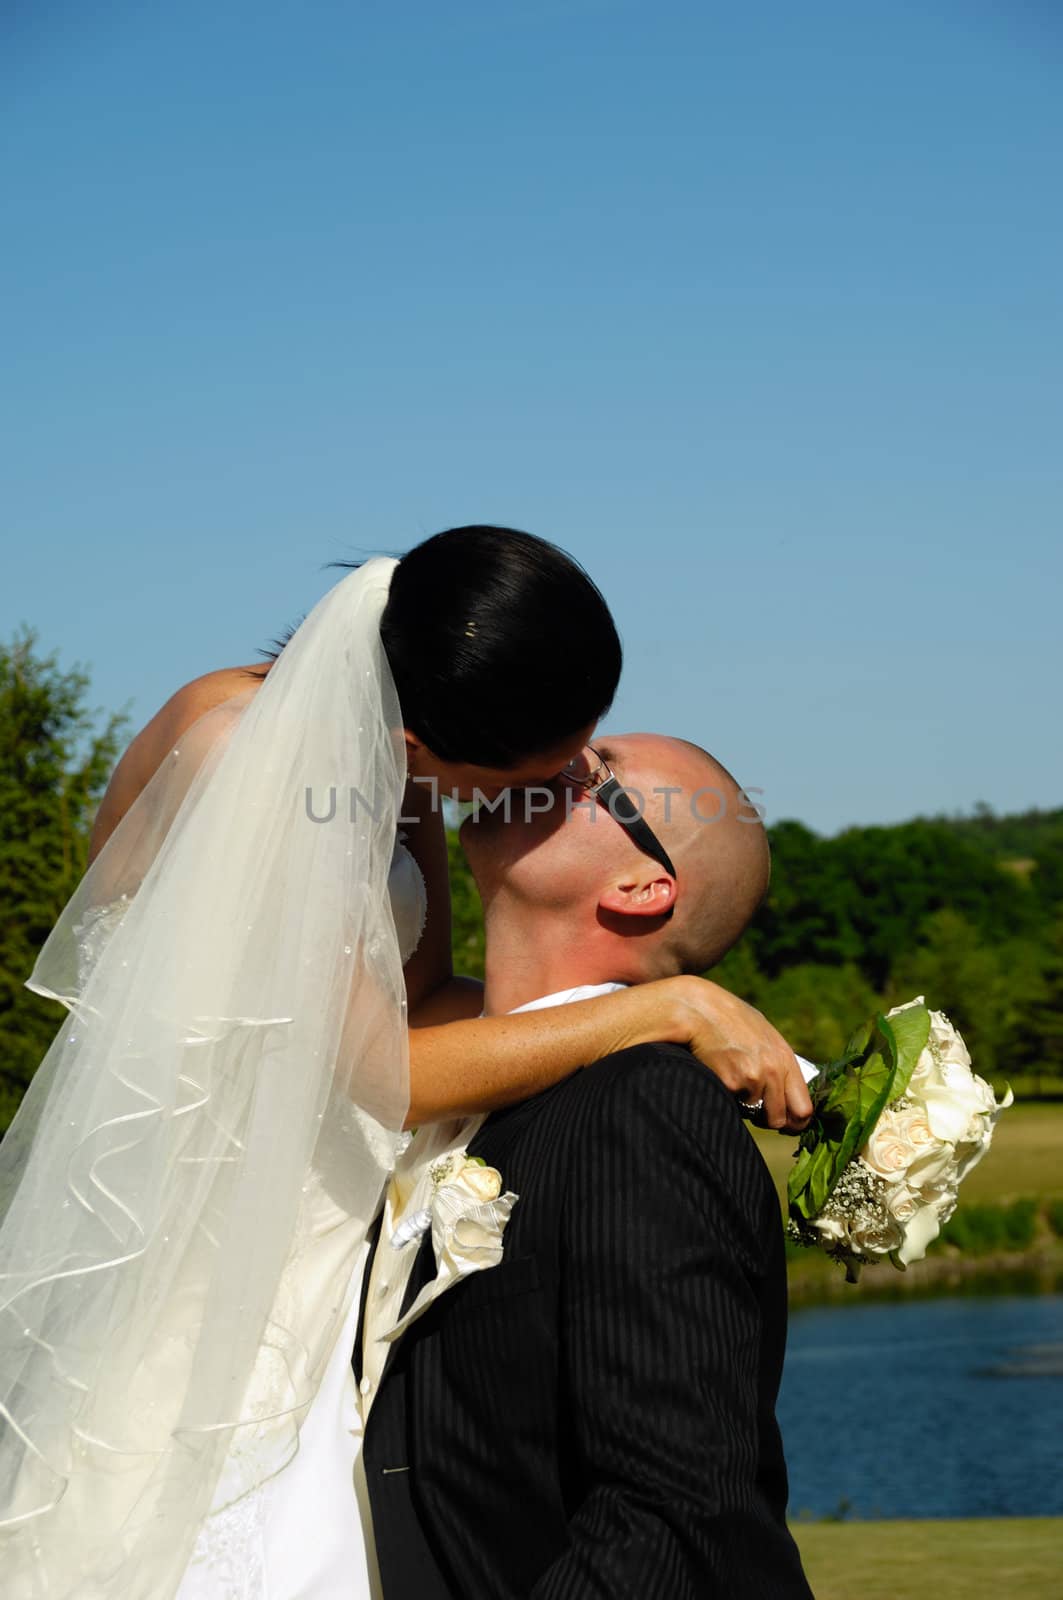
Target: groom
column 593, row 1415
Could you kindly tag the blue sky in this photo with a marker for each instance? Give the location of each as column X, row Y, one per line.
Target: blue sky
column 754, row 308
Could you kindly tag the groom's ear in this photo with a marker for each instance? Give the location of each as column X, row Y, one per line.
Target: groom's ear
column 649, row 896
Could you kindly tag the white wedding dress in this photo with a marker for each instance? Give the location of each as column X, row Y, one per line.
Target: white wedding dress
column 299, row 1535
column 188, row 1184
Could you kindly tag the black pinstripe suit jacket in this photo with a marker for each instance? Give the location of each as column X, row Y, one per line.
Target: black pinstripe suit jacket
column 595, row 1416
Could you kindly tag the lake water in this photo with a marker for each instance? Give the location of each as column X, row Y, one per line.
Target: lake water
column 926, row 1408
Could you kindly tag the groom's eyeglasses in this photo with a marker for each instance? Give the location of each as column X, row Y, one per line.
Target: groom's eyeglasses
column 592, row 774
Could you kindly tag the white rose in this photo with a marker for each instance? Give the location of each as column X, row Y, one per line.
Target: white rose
column 887, row 1151
column 831, row 1229
column 932, row 1167
column 925, row 1075
column 954, row 1101
column 902, row 1203
column 943, row 1080
column 877, row 1237
column 482, row 1183
column 912, row 1124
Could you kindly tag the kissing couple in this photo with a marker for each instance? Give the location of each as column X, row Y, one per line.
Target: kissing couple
column 547, row 1364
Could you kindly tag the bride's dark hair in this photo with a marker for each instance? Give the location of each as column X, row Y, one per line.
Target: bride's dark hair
column 500, row 645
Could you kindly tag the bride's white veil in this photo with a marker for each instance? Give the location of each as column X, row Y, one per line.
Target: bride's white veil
column 193, row 1170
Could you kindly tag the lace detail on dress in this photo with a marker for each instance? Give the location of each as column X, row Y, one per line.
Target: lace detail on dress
column 228, row 1562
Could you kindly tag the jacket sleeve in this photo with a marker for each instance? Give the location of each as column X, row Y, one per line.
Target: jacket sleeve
column 670, row 1227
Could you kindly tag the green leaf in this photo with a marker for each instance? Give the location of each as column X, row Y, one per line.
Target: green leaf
column 911, row 1030
column 810, row 1180
column 819, row 1183
column 799, row 1174
column 868, row 1083
column 857, row 1087
column 859, row 1043
column 797, row 1187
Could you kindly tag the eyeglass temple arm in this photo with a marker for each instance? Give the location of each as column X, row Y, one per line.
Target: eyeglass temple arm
column 626, row 812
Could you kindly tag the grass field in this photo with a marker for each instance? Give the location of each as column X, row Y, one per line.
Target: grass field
column 1026, row 1157
column 1010, row 1559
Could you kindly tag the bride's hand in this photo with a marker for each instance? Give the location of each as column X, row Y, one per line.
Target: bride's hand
column 743, row 1049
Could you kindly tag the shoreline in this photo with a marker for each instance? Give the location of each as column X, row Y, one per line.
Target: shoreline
column 818, row 1282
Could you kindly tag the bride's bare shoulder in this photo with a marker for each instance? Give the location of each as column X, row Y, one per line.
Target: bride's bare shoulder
column 188, row 703
column 202, row 694
column 143, row 755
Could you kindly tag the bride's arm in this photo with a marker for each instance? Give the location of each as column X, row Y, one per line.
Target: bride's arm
column 462, row 1063
column 465, row 1066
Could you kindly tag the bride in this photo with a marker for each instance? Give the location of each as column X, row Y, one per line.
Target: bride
column 256, row 970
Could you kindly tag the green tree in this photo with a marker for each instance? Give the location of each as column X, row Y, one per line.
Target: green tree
column 739, row 973
column 860, row 897
column 1033, row 1040
column 900, row 876
column 963, row 974
column 467, row 920
column 816, row 1008
column 54, row 765
column 807, row 915
column 1046, row 879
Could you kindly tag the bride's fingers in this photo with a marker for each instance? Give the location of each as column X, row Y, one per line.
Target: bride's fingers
column 798, row 1099
column 774, row 1096
column 747, row 1054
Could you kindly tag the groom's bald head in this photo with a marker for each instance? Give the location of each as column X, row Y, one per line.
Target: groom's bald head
column 716, row 841
column 571, row 879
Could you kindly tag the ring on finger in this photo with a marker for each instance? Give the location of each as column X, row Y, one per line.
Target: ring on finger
column 750, row 1108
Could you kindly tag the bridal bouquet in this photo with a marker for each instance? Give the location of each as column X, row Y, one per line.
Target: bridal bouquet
column 898, row 1121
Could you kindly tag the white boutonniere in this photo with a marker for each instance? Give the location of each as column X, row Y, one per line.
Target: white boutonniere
column 467, row 1215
